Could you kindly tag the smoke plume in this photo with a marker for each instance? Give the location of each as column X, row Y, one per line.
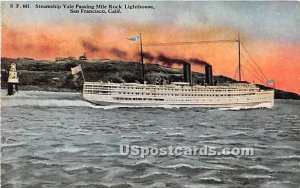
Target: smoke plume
column 148, row 56
column 169, row 61
column 90, row 47
column 198, row 62
column 118, row 53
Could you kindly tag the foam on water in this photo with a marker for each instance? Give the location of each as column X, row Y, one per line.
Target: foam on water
column 263, row 105
column 175, row 134
column 182, row 165
column 33, row 99
column 260, row 167
column 279, row 184
column 59, row 103
column 213, row 179
column 142, row 162
column 200, row 186
column 288, row 157
column 210, row 167
column 155, row 173
column 15, row 144
column 256, row 176
column 115, row 172
column 156, row 185
column 46, row 103
column 81, row 167
column 68, row 149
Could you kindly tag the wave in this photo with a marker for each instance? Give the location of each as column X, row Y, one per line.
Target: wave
column 238, row 134
column 47, row 163
column 283, row 147
column 177, row 166
column 156, row 184
column 108, row 185
column 69, row 149
column 118, row 185
column 55, row 103
column 260, row 167
column 245, row 107
column 82, row 168
column 279, row 184
column 295, row 157
column 15, row 144
column 115, row 172
column 156, row 173
column 174, row 135
column 211, row 179
column 208, row 167
column 130, row 136
column 151, row 132
column 34, row 157
column 232, row 109
column 109, row 154
column 208, row 136
column 256, row 176
column 46, row 102
column 143, row 163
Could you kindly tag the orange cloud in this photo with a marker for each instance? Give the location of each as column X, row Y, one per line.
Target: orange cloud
column 278, row 61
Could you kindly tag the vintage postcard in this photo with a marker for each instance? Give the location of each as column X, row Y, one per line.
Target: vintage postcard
column 150, row 94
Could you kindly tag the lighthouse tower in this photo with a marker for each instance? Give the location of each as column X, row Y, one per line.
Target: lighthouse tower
column 13, row 80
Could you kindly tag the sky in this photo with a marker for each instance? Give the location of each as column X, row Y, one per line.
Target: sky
column 269, row 31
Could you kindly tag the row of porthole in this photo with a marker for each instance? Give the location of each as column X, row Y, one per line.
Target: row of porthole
column 100, row 87
column 190, row 95
column 120, row 98
column 170, row 94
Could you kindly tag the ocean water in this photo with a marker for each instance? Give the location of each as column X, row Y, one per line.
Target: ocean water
column 59, row 140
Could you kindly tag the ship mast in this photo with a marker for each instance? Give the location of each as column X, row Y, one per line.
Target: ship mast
column 239, row 55
column 142, row 59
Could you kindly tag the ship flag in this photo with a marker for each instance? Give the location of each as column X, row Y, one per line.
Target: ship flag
column 76, row 69
column 136, row 38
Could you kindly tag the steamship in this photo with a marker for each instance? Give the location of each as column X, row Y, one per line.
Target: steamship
column 180, row 94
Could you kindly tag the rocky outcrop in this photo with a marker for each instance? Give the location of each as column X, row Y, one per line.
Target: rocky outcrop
column 56, row 75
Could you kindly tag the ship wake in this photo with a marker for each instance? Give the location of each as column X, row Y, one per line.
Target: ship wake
column 37, row 102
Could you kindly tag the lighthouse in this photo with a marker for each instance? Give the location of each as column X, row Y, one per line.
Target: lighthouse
column 13, row 80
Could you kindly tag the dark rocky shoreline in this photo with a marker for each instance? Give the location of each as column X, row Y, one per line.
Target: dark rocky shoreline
column 56, row 75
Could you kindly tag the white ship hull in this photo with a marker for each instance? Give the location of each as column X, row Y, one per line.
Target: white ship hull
column 242, row 96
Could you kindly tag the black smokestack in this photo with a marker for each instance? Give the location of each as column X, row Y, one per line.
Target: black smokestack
column 208, row 69
column 208, row 75
column 187, row 73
